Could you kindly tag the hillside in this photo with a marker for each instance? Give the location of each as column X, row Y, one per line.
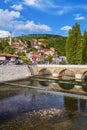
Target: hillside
column 51, row 40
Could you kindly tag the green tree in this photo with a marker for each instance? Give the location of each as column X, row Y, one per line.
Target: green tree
column 21, row 53
column 74, row 46
column 49, row 58
column 5, row 47
column 84, row 48
column 58, row 44
column 8, row 49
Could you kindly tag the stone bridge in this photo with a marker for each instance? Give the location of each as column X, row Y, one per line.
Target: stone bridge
column 78, row 71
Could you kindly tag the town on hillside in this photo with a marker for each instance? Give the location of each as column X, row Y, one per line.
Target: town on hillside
column 33, row 51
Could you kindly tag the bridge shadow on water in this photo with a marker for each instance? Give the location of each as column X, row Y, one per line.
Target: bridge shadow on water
column 66, row 83
column 47, row 82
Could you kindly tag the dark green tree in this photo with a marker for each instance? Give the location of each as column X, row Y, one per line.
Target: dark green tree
column 49, row 58
column 5, row 47
column 21, row 53
column 74, row 45
column 84, row 48
column 9, row 50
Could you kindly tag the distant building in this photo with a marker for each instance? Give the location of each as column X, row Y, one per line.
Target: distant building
column 5, row 56
column 19, row 46
column 62, row 58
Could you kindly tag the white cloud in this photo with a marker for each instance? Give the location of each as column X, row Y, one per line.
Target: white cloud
column 66, row 28
column 63, row 10
column 50, row 6
column 17, row 7
column 60, row 12
column 79, row 17
column 4, row 34
column 6, row 17
column 30, row 26
column 41, row 4
column 32, row 2
column 10, row 20
column 5, row 14
column 66, row 9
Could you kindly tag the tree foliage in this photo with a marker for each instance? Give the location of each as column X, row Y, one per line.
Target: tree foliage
column 49, row 58
column 21, row 53
column 84, row 48
column 74, row 46
column 5, row 47
column 58, row 44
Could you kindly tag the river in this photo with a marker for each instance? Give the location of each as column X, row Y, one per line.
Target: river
column 39, row 103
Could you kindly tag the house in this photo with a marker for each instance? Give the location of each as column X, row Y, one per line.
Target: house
column 35, row 43
column 8, row 57
column 62, row 59
column 19, row 46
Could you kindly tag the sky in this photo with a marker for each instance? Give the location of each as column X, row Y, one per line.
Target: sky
column 23, row 17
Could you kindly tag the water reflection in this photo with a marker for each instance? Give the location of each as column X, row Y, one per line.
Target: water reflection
column 71, row 106
column 28, row 101
column 25, row 101
column 84, row 87
column 83, row 105
column 55, row 83
column 44, row 83
column 66, row 86
column 74, row 106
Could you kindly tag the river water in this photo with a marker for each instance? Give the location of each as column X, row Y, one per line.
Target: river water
column 43, row 104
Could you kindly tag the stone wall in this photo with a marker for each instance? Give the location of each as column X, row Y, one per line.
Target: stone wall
column 14, row 72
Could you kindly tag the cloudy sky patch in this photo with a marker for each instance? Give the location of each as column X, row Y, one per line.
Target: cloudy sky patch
column 4, row 34
column 39, row 16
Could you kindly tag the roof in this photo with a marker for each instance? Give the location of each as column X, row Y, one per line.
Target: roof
column 8, row 55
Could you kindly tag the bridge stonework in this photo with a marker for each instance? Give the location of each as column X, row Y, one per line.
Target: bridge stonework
column 75, row 69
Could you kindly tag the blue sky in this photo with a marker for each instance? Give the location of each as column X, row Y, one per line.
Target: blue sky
column 23, row 17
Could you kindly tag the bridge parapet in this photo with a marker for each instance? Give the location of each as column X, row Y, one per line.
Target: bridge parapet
column 74, row 68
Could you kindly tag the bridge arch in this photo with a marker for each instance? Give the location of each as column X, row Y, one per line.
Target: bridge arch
column 55, row 71
column 45, row 71
column 67, row 73
column 85, row 73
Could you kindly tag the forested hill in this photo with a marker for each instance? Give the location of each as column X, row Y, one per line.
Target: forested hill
column 45, row 35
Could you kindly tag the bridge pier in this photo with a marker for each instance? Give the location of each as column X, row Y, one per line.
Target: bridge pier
column 79, row 76
column 77, row 87
column 55, row 74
